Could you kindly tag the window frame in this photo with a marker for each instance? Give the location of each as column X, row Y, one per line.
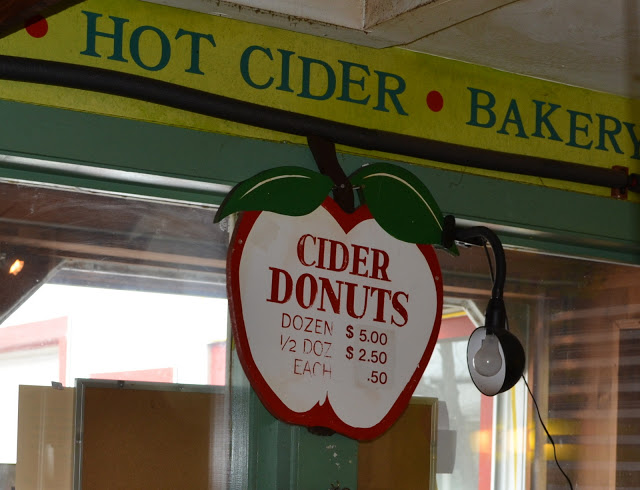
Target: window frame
column 199, row 167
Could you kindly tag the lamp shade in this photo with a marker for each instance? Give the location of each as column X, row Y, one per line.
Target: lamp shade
column 508, row 365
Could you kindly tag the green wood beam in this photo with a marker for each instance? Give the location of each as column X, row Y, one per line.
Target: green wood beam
column 524, row 215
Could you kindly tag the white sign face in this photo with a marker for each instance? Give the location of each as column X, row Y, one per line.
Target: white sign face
column 334, row 319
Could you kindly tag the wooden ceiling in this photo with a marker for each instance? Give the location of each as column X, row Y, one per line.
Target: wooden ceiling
column 106, row 241
column 82, row 226
column 14, row 13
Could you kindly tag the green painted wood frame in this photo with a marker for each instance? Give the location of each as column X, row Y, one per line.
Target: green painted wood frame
column 268, row 453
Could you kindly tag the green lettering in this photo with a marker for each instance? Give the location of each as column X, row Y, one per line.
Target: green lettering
column 476, row 107
column 244, row 66
column 347, row 81
column 574, row 128
column 393, row 93
column 195, row 48
column 611, row 133
column 513, row 117
column 165, row 48
column 307, row 63
column 93, row 33
column 544, row 119
column 286, row 63
column 631, row 129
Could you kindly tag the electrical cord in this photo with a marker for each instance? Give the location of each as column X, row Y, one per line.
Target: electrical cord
column 535, row 403
column 553, row 444
column 486, row 252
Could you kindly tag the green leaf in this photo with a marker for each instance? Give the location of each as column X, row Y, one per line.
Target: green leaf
column 293, row 191
column 400, row 203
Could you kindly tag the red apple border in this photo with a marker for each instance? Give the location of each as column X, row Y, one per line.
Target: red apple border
column 320, row 415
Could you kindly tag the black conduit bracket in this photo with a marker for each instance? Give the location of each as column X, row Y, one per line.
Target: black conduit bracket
column 479, row 235
column 218, row 106
column 621, row 194
column 324, row 153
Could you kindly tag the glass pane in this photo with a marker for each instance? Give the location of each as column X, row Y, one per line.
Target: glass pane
column 579, row 321
column 127, row 335
column 106, row 287
column 459, row 413
column 100, row 286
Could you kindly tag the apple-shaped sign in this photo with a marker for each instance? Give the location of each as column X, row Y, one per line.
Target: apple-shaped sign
column 334, row 317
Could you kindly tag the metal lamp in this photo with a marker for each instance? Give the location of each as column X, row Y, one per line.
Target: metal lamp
column 495, row 357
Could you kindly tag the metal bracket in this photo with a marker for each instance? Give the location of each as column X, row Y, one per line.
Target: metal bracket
column 620, row 193
column 324, row 153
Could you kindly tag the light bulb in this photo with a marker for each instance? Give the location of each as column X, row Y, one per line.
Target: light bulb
column 487, row 361
column 16, row 267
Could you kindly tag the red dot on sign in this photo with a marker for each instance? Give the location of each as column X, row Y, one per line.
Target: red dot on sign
column 37, row 26
column 435, row 101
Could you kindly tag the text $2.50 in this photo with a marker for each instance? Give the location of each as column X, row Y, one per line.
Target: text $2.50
column 375, row 357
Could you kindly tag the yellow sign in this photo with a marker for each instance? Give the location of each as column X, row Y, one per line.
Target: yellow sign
column 388, row 89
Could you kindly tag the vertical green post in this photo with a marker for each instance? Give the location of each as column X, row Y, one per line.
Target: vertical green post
column 268, row 454
column 288, row 457
column 322, row 461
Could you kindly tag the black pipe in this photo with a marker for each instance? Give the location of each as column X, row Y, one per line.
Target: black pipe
column 200, row 102
column 496, row 313
column 469, row 235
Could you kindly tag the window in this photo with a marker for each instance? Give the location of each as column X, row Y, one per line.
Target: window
column 111, row 287
column 134, row 289
column 578, row 321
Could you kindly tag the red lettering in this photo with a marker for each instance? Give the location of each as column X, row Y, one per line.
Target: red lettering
column 275, row 286
column 306, row 346
column 296, row 365
column 316, row 347
column 309, row 322
column 301, row 245
column 325, row 294
column 338, row 257
column 287, row 323
column 315, row 369
column 351, row 299
column 327, row 289
column 321, row 242
column 333, row 256
column 315, row 365
column 298, row 322
column 327, row 346
column 357, row 260
column 300, row 290
column 382, row 296
column 380, row 265
column 395, row 302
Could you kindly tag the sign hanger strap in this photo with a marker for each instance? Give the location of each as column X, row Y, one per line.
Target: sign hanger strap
column 324, row 153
